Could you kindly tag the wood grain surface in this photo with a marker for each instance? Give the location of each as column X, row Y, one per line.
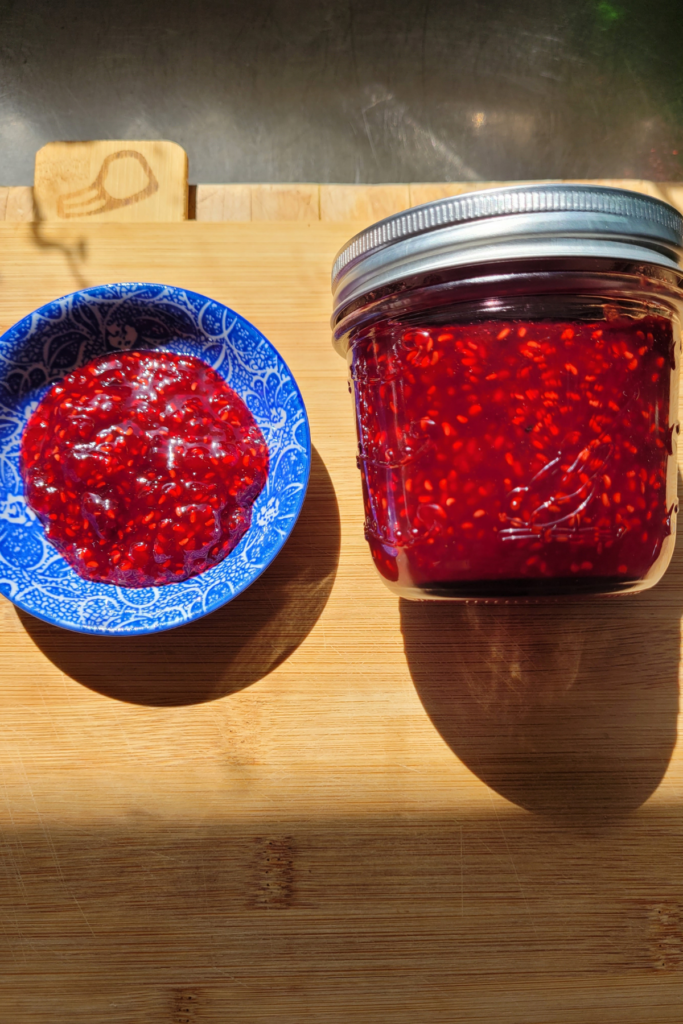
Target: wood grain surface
column 319, row 803
column 111, row 181
column 362, row 204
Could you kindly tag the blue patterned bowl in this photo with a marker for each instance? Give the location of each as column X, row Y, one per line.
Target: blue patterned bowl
column 68, row 332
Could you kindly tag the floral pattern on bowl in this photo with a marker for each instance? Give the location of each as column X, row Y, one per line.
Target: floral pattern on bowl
column 49, row 343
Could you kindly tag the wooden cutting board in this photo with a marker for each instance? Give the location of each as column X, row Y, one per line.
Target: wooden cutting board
column 319, row 803
column 111, row 181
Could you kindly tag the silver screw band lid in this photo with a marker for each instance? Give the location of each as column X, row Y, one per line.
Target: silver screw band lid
column 514, row 222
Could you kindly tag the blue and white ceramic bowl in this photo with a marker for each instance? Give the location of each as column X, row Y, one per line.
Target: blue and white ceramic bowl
column 45, row 346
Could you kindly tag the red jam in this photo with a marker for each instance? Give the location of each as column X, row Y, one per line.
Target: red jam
column 143, row 467
column 505, row 454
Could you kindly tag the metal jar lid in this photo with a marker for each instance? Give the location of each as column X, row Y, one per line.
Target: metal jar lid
column 515, row 222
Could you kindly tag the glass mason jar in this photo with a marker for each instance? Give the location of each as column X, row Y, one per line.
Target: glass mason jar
column 513, row 358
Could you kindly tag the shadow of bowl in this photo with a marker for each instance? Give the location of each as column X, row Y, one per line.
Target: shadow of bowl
column 566, row 709
column 229, row 649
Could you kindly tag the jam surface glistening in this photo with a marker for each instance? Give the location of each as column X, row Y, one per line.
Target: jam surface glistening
column 515, row 450
column 143, row 467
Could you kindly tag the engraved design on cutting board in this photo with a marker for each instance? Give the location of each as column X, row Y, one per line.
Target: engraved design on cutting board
column 94, row 198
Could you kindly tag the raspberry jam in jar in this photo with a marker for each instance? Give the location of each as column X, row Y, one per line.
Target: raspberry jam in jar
column 143, row 468
column 514, row 358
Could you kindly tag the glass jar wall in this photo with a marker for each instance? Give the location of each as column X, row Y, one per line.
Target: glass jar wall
column 515, row 456
column 516, row 416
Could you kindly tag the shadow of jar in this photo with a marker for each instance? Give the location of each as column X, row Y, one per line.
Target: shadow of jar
column 234, row 646
column 566, row 709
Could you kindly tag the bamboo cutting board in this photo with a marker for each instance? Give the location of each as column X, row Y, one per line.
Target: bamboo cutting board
column 321, row 804
column 111, row 181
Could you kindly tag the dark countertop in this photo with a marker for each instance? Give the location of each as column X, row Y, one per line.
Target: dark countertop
column 319, row 90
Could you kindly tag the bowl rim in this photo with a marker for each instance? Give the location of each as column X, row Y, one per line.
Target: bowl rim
column 214, row 605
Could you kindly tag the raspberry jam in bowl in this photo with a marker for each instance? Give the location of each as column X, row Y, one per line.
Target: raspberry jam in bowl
column 513, row 357
column 154, row 457
column 143, row 468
